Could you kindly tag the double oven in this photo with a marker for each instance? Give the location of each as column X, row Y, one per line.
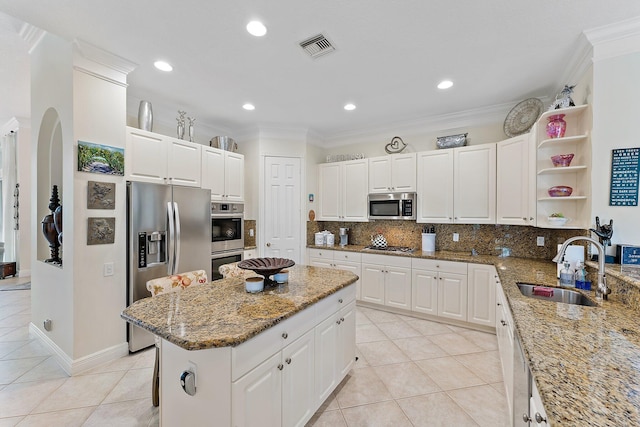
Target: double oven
column 227, row 235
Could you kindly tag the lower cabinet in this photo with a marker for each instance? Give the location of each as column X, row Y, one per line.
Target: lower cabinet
column 482, row 295
column 439, row 288
column 536, row 410
column 341, row 260
column 506, row 344
column 386, row 280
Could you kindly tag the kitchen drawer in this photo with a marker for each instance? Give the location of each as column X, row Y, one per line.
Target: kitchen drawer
column 386, row 260
column 335, row 302
column 347, row 256
column 321, row 253
column 250, row 353
column 437, row 265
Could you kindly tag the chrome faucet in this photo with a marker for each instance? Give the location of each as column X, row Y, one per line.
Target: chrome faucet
column 601, row 290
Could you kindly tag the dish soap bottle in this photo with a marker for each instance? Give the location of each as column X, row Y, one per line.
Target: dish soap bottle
column 580, row 276
column 566, row 276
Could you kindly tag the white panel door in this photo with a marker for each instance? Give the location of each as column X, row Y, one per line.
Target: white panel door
column 424, row 298
column 512, row 182
column 257, row 396
column 355, row 176
column 282, row 208
column 298, row 395
column 435, row 186
column 474, row 193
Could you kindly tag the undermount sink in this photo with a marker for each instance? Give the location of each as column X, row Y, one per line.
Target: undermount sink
column 546, row 293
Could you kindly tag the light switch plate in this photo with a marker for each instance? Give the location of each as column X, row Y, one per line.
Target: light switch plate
column 108, row 269
column 540, row 241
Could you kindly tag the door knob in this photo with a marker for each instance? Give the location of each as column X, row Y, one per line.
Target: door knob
column 268, row 245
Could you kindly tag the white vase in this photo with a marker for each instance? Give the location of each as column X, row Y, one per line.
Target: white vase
column 145, row 116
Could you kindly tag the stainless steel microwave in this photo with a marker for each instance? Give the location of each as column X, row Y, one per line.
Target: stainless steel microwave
column 392, row 206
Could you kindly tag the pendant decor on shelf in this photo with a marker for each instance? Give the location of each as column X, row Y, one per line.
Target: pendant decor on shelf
column 181, row 123
column 522, row 117
column 192, row 131
column 563, row 99
column 395, row 146
column 145, row 116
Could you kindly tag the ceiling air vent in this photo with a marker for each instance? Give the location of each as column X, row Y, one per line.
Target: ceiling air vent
column 317, row 46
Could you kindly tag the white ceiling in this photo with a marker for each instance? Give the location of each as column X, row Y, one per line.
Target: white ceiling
column 390, row 55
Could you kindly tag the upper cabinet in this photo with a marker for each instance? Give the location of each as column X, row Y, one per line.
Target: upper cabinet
column 576, row 141
column 342, row 191
column 395, row 173
column 223, row 174
column 161, row 159
column 457, row 185
column 515, row 181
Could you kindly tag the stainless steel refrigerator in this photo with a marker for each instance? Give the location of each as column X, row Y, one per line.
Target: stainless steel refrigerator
column 168, row 232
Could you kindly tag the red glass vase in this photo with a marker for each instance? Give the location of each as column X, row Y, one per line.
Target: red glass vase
column 556, row 126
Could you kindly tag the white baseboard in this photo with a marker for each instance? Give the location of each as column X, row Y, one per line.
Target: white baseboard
column 24, row 273
column 76, row 366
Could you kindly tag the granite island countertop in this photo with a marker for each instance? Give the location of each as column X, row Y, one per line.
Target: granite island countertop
column 222, row 313
column 585, row 360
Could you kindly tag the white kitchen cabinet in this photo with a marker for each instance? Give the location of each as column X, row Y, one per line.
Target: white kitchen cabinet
column 481, row 301
column 536, row 409
column 515, row 203
column 424, row 298
column 452, row 296
column 439, row 288
column 457, row 185
column 474, row 184
column 506, row 344
column 346, row 339
column 341, row 260
column 298, row 394
column 223, row 174
column 160, row 159
column 435, row 186
column 342, row 191
column 386, row 280
column 577, row 140
column 257, row 396
column 395, row 173
column 249, row 253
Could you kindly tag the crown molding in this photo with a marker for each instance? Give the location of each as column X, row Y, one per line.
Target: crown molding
column 14, row 124
column 578, row 64
column 32, row 35
column 100, row 63
column 617, row 39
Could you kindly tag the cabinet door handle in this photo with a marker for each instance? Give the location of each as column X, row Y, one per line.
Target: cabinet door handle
column 338, row 322
column 285, row 335
column 288, row 360
column 503, row 323
column 268, row 245
column 539, row 418
column 531, row 219
column 524, row 219
column 342, row 319
column 499, row 304
column 340, row 300
column 280, row 366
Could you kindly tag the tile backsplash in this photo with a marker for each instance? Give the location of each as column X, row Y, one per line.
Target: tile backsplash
column 519, row 241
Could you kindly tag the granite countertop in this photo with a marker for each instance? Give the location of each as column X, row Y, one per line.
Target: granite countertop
column 584, row 360
column 222, row 313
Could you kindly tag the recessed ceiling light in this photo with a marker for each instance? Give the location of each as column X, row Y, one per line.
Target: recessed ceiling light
column 256, row 28
column 249, row 107
column 163, row 66
column 445, row 84
column 349, row 107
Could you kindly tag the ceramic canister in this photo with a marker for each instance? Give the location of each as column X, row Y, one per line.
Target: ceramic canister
column 319, row 239
column 331, row 238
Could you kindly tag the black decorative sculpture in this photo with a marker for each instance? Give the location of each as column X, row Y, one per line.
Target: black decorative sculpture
column 604, row 232
column 49, row 228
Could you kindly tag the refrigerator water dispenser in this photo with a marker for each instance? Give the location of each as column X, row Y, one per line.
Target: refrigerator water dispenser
column 152, row 248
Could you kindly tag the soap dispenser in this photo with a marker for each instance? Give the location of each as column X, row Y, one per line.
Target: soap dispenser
column 566, row 276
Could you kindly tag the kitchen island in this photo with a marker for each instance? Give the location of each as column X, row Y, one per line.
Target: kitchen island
column 585, row 361
column 268, row 359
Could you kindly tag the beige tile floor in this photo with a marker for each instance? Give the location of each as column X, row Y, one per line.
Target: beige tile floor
column 410, row 372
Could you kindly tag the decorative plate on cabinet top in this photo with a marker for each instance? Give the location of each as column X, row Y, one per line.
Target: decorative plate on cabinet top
column 522, row 117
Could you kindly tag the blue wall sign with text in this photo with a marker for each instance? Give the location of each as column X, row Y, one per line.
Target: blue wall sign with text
column 625, row 170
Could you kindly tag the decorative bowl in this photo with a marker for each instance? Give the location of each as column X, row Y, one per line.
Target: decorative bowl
column 266, row 266
column 560, row 191
column 562, row 160
column 451, row 141
column 557, row 221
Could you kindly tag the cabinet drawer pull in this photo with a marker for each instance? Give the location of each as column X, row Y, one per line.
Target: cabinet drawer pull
column 498, row 304
column 288, row 360
column 342, row 319
column 285, row 335
column 340, row 300
column 338, row 322
column 280, row 366
column 539, row 418
column 503, row 323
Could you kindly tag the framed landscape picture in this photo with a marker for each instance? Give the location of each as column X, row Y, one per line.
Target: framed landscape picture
column 97, row 158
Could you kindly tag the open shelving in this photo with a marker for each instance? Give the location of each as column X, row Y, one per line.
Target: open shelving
column 577, row 140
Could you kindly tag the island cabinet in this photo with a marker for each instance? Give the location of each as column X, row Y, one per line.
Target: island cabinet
column 342, row 191
column 161, row 159
column 395, row 173
column 223, row 174
column 506, row 343
column 386, row 280
column 440, row 288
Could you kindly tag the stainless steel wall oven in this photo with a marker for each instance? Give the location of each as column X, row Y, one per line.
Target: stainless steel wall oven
column 227, row 235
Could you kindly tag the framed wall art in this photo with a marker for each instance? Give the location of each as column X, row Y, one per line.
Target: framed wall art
column 101, row 195
column 97, row 158
column 101, row 231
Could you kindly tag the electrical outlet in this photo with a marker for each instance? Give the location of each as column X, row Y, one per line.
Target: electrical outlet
column 108, row 269
column 251, row 232
column 540, row 241
column 456, row 237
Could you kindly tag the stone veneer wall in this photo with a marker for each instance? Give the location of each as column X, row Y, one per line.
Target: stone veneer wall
column 485, row 239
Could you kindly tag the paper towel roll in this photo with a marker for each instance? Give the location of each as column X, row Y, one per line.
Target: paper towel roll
column 428, row 242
